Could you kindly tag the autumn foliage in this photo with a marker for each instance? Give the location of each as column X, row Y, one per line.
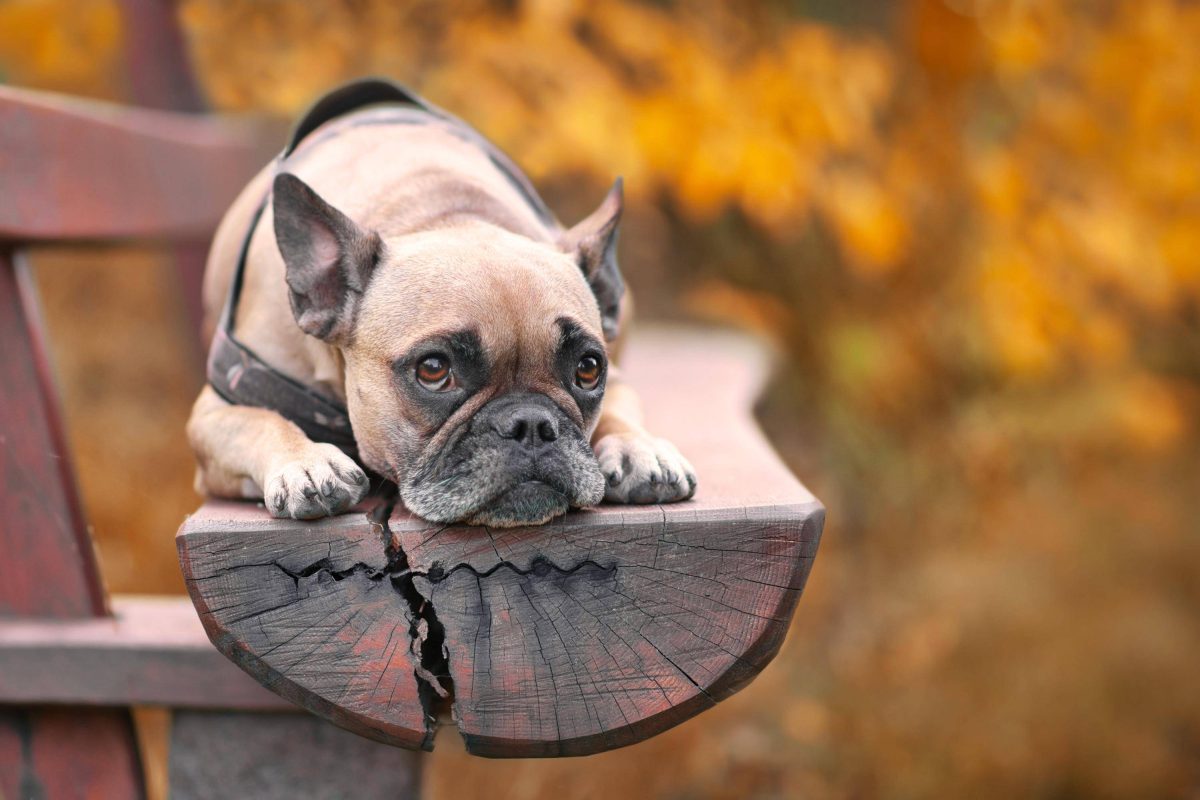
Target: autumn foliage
column 971, row 229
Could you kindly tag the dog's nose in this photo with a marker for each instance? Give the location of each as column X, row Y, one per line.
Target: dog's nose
column 528, row 424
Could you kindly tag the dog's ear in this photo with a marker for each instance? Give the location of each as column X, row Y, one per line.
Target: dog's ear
column 329, row 259
column 594, row 243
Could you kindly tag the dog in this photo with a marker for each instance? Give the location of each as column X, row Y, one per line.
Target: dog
column 395, row 268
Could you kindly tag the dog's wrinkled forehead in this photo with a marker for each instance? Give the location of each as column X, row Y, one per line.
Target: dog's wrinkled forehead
column 512, row 292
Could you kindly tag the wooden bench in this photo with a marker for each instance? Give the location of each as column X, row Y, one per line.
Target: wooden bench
column 593, row 632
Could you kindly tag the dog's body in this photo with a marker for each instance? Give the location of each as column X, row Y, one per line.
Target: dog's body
column 400, row 270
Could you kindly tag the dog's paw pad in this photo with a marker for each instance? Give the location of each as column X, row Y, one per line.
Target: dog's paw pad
column 638, row 468
column 322, row 482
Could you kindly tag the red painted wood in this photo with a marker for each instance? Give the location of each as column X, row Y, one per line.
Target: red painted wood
column 588, row 636
column 303, row 619
column 55, row 574
column 48, row 569
column 152, row 651
column 592, row 632
column 160, row 77
column 81, row 170
column 74, row 171
column 67, row 753
column 156, row 57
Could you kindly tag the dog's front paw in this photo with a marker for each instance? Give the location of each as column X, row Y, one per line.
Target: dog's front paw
column 322, row 482
column 639, row 468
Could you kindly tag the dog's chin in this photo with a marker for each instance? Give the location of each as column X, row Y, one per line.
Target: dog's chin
column 527, row 503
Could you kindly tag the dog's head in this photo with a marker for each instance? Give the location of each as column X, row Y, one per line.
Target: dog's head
column 475, row 359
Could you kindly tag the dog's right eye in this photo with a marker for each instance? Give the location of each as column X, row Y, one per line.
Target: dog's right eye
column 433, row 372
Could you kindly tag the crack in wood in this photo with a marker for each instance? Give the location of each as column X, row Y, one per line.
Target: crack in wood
column 325, row 566
column 539, row 566
column 427, row 635
column 593, row 632
column 555, row 642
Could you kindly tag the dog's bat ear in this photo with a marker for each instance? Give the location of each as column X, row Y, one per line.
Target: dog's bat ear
column 594, row 242
column 329, row 259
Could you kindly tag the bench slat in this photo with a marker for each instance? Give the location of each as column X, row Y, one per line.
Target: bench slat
column 74, row 170
column 151, row 651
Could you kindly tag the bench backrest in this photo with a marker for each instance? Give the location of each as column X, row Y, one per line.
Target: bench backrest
column 74, row 171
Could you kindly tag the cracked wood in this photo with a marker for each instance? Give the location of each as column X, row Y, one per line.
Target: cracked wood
column 312, row 613
column 593, row 632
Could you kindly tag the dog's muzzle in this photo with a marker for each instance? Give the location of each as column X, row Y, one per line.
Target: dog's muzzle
column 522, row 461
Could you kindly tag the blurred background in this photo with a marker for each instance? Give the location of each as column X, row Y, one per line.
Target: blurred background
column 971, row 231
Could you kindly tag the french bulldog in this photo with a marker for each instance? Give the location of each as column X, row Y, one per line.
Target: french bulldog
column 399, row 270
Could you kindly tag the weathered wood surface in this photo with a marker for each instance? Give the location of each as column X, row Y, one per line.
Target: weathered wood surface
column 219, row 756
column 151, row 651
column 47, row 570
column 83, row 170
column 595, row 631
column 303, row 614
column 55, row 573
column 72, row 754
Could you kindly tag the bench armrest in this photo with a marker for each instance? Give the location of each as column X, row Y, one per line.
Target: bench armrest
column 592, row 632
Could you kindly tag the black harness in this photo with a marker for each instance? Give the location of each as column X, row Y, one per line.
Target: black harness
column 235, row 371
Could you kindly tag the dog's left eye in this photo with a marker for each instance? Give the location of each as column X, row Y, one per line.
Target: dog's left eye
column 587, row 373
column 433, row 372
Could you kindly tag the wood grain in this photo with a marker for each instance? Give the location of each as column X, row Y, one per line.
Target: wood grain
column 593, row 632
column 587, row 636
column 311, row 612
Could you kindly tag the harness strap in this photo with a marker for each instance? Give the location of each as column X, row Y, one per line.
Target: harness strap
column 236, row 372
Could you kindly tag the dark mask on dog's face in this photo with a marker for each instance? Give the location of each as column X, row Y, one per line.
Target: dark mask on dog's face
column 475, row 358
